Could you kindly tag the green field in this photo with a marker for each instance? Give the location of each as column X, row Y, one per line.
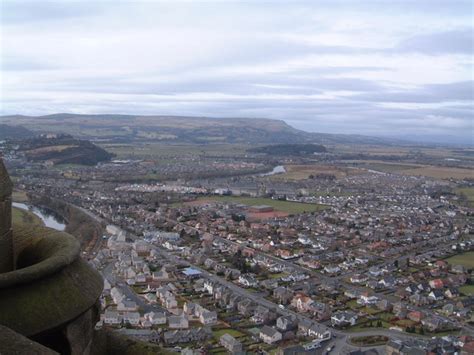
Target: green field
column 283, row 206
column 466, row 193
column 465, row 259
column 20, row 216
column 467, row 290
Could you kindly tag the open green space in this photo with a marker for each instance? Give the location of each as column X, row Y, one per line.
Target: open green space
column 467, row 194
column 464, row 259
column 283, row 206
column 467, row 290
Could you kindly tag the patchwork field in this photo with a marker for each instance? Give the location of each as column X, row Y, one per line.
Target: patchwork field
column 465, row 259
column 279, row 206
column 440, row 172
column 435, row 172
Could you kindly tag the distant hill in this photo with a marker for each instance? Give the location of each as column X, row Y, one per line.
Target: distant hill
column 179, row 129
column 63, row 149
column 289, row 149
column 14, row 132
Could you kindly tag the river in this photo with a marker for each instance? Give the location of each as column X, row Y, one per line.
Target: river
column 49, row 218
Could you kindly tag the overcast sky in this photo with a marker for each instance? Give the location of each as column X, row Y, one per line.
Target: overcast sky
column 373, row 67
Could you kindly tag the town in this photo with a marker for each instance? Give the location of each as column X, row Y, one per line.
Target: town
column 298, row 255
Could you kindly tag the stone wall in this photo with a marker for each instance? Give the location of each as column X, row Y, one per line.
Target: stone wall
column 6, row 244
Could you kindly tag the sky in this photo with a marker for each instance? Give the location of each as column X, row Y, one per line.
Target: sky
column 383, row 68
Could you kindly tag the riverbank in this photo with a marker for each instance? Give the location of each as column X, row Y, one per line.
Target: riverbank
column 87, row 229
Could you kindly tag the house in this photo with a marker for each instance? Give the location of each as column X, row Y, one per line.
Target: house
column 301, row 302
column 117, row 295
column 303, row 326
column 436, row 295
column 262, row 315
column 415, row 316
column 433, row 324
column 343, row 318
column 358, row 278
column 127, row 306
column 112, row 318
column 178, row 322
column 131, row 317
column 387, row 281
column 170, row 302
column 270, row 335
column 156, row 318
column 384, row 305
column 161, row 275
column 151, row 297
column 193, row 335
column 367, row 300
column 436, row 283
column 231, row 344
column 320, row 310
column 246, row 307
column 451, row 292
column 285, row 323
column 282, row 295
column 208, row 317
column 248, row 281
column 319, row 331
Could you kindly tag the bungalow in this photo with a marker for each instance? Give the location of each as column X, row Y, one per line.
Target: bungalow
column 270, row 335
column 231, row 344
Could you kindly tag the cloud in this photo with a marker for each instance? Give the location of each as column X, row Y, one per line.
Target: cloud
column 459, row 41
column 376, row 68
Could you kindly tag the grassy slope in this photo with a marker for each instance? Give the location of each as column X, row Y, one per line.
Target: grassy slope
column 20, row 216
